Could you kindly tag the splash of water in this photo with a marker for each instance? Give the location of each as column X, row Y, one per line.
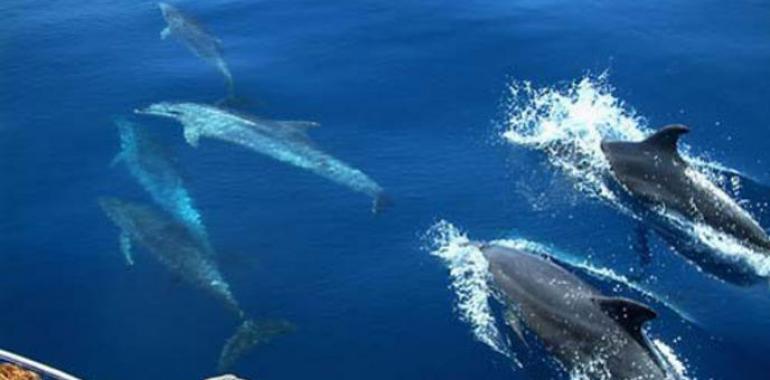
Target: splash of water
column 568, row 124
column 676, row 366
column 469, row 272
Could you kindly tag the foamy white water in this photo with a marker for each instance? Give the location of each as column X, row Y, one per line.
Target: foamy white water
column 677, row 367
column 569, row 123
column 469, row 273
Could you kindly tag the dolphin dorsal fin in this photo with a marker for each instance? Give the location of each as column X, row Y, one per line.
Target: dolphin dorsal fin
column 666, row 138
column 629, row 314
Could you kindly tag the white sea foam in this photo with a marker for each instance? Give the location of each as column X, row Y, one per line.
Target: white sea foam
column 677, row 367
column 469, row 272
column 569, row 123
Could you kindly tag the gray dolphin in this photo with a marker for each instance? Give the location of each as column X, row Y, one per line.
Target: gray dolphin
column 653, row 171
column 149, row 163
column 181, row 252
column 590, row 334
column 197, row 39
column 285, row 141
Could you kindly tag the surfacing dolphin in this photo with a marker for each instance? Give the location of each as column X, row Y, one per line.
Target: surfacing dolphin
column 182, row 253
column 590, row 334
column 653, row 171
column 285, row 141
column 149, row 163
column 197, row 39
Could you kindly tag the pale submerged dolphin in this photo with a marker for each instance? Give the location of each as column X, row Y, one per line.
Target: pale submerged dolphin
column 149, row 164
column 181, row 252
column 595, row 336
column 195, row 37
column 285, row 141
column 653, row 171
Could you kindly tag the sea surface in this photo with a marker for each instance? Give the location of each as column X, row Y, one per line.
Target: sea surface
column 480, row 120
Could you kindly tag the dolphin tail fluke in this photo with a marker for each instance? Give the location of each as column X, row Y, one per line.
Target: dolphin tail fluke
column 248, row 335
column 165, row 33
column 380, row 203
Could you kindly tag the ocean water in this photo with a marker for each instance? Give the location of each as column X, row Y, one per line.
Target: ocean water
column 484, row 114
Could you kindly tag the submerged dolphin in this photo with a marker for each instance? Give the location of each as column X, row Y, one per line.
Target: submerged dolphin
column 587, row 332
column 148, row 162
column 284, row 141
column 200, row 42
column 182, row 253
column 653, row 171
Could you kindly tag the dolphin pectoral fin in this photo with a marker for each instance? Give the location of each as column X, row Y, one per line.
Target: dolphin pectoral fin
column 191, row 135
column 631, row 315
column 514, row 322
column 165, row 33
column 248, row 335
column 126, row 247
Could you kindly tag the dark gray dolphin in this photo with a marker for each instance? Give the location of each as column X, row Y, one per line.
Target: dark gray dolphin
column 590, row 334
column 653, row 171
column 181, row 251
column 197, row 39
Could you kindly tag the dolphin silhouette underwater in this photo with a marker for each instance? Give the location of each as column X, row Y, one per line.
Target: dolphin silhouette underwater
column 178, row 249
column 197, row 40
column 149, row 163
column 653, row 172
column 597, row 336
column 285, row 141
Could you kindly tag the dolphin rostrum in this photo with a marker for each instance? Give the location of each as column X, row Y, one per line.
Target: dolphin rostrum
column 653, row 171
column 285, row 141
column 149, row 164
column 590, row 334
column 182, row 253
column 197, row 39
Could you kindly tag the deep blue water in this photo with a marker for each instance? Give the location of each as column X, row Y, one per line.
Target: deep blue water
column 411, row 92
